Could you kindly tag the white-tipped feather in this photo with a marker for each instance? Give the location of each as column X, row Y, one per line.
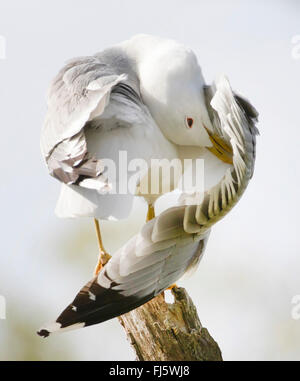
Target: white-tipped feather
column 54, row 327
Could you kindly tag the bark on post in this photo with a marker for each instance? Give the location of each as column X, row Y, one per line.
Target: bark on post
column 161, row 331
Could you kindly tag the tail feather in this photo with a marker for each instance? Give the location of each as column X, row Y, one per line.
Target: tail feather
column 95, row 304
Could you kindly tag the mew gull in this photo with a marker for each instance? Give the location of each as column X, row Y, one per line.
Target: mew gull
column 145, row 96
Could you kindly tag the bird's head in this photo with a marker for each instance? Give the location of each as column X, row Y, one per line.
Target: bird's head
column 172, row 86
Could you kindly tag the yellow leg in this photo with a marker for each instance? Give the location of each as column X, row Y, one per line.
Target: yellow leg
column 104, row 257
column 150, row 213
column 172, row 286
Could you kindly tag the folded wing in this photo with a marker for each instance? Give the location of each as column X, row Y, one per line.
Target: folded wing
column 79, row 93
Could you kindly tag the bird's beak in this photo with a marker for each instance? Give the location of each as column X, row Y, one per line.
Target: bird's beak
column 220, row 147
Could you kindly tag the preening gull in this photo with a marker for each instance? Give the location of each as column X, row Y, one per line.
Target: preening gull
column 145, row 97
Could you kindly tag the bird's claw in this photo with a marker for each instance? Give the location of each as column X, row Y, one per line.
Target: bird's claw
column 103, row 259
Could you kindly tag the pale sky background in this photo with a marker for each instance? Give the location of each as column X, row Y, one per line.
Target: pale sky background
column 250, row 272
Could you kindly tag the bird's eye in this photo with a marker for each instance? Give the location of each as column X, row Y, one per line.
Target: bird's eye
column 189, row 122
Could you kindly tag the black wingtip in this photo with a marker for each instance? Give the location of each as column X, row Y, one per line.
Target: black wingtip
column 95, row 304
column 44, row 333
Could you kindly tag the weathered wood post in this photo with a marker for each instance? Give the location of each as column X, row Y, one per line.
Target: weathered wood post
column 161, row 331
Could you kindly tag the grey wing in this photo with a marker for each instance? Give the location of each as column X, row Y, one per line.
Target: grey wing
column 79, row 93
column 136, row 273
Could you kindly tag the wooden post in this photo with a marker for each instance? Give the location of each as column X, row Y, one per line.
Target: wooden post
column 160, row 331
